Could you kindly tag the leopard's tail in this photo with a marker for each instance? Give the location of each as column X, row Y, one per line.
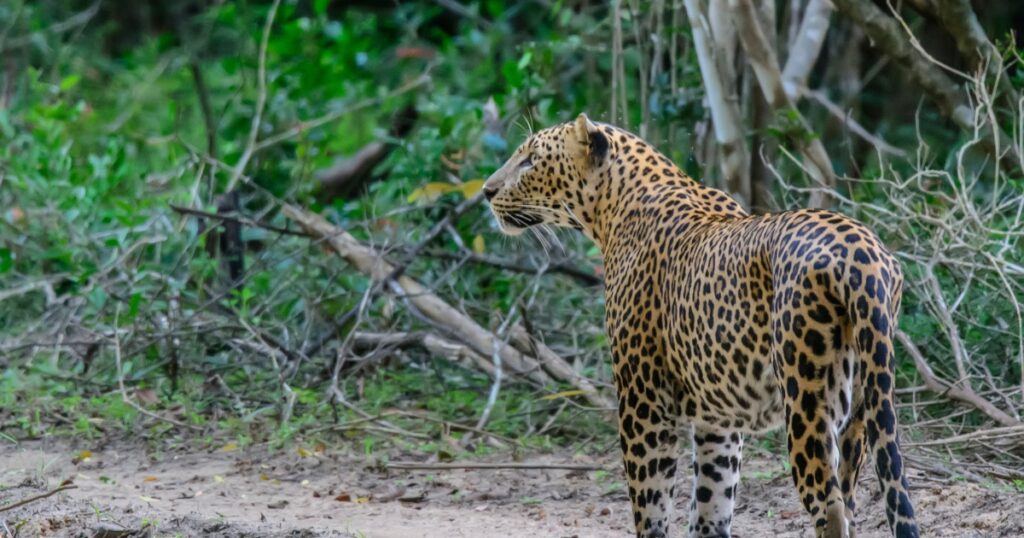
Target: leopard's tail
column 873, row 312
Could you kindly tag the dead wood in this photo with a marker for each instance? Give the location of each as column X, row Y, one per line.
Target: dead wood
column 416, row 466
column 543, row 369
column 954, row 392
column 436, row 345
column 66, row 485
column 893, row 39
column 349, row 176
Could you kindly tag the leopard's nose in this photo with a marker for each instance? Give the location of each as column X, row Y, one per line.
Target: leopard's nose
column 491, row 187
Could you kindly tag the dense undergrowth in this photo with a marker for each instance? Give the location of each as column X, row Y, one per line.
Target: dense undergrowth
column 113, row 304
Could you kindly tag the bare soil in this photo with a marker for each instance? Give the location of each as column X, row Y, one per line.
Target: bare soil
column 124, row 490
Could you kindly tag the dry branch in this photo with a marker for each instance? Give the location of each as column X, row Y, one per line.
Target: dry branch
column 436, row 345
column 66, row 485
column 964, row 395
column 415, row 466
column 769, row 76
column 890, row 36
column 437, row 311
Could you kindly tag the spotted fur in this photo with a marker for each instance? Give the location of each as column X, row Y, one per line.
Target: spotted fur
column 727, row 322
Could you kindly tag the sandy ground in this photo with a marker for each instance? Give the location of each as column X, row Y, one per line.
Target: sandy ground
column 257, row 493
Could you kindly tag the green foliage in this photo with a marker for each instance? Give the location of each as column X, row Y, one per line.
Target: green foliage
column 103, row 129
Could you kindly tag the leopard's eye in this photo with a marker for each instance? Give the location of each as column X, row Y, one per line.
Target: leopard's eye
column 526, row 163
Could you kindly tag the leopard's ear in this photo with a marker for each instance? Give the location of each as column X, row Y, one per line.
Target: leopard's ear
column 590, row 137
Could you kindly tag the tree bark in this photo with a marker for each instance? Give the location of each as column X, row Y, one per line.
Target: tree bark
column 725, row 114
column 433, row 308
column 889, row 36
column 806, row 48
column 769, row 76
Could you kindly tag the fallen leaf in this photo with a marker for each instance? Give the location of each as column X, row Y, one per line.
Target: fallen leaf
column 431, row 191
column 362, row 500
column 263, row 476
column 147, row 498
column 303, row 453
column 563, row 394
column 218, row 478
column 80, row 456
column 147, row 396
column 229, row 447
column 422, row 53
column 344, row 497
column 15, row 214
column 471, row 187
column 150, row 478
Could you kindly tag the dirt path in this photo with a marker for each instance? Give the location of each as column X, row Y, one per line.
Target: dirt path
column 255, row 493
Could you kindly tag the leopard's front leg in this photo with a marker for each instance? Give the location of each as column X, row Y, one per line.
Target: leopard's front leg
column 648, row 435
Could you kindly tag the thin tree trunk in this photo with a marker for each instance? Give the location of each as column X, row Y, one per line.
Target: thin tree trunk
column 807, row 47
column 725, row 114
column 769, row 76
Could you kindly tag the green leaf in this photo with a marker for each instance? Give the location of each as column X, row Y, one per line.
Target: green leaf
column 69, row 82
column 524, row 60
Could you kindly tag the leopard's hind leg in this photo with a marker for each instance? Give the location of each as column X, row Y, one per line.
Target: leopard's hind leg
column 816, row 383
column 852, row 453
column 716, row 476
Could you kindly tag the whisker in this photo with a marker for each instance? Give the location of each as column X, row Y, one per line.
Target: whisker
column 541, row 239
column 555, row 240
column 515, row 207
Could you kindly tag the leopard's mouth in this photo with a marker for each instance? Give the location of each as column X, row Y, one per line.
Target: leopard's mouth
column 515, row 221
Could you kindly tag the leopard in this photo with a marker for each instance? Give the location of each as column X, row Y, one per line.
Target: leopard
column 722, row 324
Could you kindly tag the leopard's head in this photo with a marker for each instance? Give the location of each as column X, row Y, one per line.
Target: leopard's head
column 550, row 178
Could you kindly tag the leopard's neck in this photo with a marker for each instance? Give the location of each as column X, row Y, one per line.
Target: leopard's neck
column 638, row 188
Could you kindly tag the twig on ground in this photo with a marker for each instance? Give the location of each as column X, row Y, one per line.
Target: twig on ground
column 120, row 379
column 414, row 466
column 988, row 436
column 66, row 485
column 369, row 262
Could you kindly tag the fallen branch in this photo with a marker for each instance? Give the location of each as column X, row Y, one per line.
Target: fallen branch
column 415, row 466
column 954, row 392
column 437, row 311
column 436, row 345
column 583, row 277
column 350, row 176
column 66, row 485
